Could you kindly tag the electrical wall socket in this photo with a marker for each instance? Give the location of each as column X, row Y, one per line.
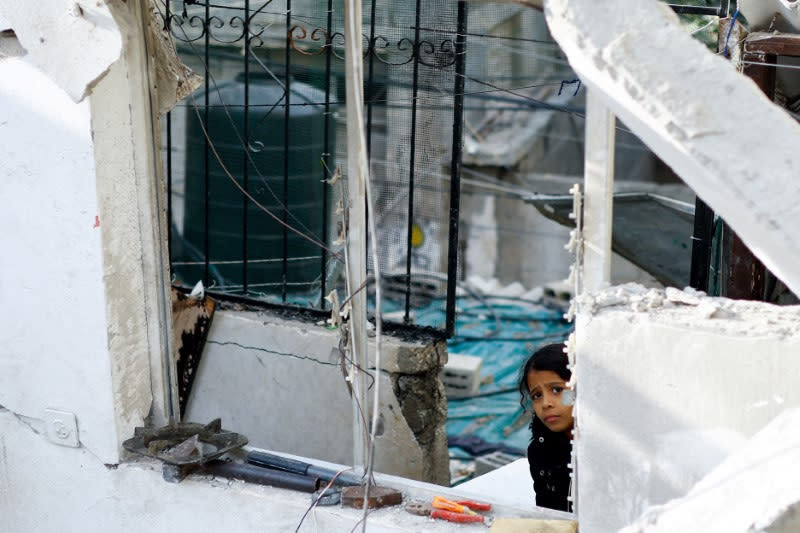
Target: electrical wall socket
column 62, row 427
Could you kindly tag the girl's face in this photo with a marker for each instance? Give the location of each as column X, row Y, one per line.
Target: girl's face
column 545, row 388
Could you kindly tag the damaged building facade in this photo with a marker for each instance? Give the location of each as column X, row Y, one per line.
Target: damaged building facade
column 89, row 347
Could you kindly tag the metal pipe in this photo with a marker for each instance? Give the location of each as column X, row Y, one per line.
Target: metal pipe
column 268, row 460
column 262, row 476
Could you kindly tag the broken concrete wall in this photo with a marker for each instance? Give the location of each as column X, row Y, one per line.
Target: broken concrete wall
column 660, row 405
column 51, row 489
column 281, row 383
column 87, row 254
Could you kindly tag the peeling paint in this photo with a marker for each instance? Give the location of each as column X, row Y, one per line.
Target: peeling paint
column 191, row 321
column 173, row 80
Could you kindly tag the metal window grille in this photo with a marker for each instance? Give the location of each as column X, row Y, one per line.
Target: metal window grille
column 250, row 155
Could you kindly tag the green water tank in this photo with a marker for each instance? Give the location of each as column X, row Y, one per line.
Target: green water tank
column 267, row 153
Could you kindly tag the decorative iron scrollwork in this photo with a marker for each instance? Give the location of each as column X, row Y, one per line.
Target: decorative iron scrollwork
column 397, row 53
column 309, row 41
column 316, row 36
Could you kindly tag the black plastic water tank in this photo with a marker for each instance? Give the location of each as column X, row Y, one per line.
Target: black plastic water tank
column 265, row 235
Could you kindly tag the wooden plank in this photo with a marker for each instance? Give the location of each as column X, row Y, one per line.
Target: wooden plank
column 781, row 44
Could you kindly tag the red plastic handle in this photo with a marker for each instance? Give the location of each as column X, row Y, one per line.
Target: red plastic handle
column 456, row 517
column 475, row 506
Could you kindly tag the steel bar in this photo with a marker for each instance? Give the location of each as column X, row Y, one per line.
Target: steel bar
column 699, row 10
column 246, row 147
column 370, row 81
column 326, row 156
column 412, row 162
column 702, row 237
column 357, row 178
column 169, row 155
column 206, row 158
column 286, row 131
column 455, row 169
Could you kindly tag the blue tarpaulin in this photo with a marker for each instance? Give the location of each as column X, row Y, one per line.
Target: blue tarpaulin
column 503, row 332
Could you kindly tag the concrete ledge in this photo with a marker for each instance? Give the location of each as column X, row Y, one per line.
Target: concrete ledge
column 47, row 488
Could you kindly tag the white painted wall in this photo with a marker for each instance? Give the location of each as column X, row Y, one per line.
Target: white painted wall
column 81, row 264
column 53, row 342
column 669, row 383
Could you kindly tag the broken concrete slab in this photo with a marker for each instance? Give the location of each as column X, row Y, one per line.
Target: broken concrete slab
column 697, row 113
column 753, row 490
column 73, row 43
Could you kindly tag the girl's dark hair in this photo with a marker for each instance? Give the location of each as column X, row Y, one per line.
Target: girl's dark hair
column 550, row 357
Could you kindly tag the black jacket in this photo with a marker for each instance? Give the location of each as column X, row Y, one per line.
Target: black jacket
column 549, row 457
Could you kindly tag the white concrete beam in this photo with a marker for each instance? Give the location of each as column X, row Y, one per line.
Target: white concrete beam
column 73, row 43
column 714, row 127
column 597, row 193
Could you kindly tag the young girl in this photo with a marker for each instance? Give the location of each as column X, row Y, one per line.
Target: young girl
column 543, row 380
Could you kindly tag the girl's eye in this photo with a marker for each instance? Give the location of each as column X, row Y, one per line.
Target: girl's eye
column 536, row 395
column 558, row 390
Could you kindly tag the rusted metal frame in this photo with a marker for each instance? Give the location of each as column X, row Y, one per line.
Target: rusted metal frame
column 760, row 67
column 773, row 44
column 743, row 275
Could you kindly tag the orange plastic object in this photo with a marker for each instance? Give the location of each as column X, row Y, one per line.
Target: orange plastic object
column 475, row 506
column 448, row 505
column 453, row 516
